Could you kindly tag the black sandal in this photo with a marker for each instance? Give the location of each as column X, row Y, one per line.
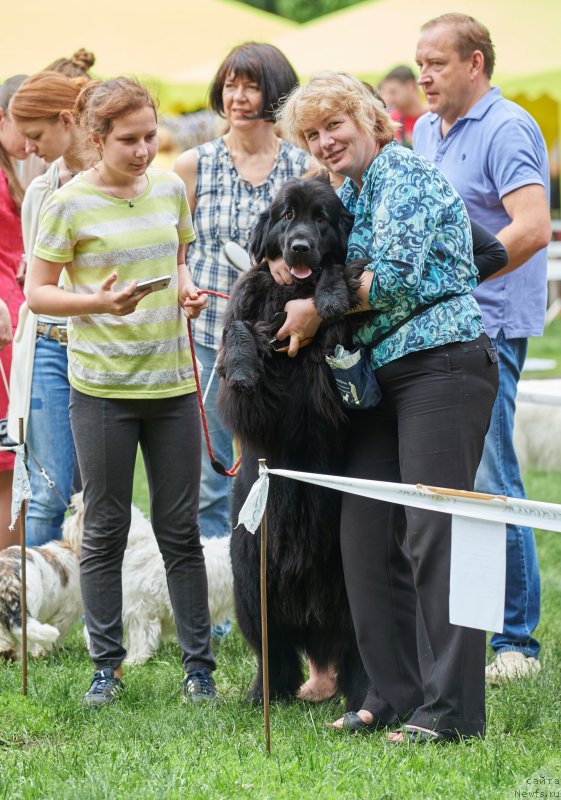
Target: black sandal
column 353, row 723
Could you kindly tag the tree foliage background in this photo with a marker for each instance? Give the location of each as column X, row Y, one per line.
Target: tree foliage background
column 301, row 10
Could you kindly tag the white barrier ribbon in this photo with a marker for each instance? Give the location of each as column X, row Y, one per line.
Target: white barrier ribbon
column 450, row 501
column 479, row 533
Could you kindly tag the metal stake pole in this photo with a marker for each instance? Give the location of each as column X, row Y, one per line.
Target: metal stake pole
column 23, row 584
column 264, row 628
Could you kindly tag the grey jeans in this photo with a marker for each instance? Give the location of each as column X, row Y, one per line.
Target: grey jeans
column 107, row 433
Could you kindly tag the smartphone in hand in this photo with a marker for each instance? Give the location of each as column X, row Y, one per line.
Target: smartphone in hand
column 154, row 284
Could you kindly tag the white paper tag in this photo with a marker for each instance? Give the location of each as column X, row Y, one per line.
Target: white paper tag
column 21, row 488
column 253, row 509
column 478, row 573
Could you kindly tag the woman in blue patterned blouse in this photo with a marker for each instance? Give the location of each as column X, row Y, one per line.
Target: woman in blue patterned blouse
column 438, row 376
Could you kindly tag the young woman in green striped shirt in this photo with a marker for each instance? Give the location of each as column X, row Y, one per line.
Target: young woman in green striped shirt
column 130, row 371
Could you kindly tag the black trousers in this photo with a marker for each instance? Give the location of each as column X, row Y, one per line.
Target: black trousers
column 429, row 428
column 107, row 433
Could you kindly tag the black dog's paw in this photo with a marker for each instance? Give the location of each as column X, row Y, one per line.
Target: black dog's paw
column 243, row 381
column 330, row 308
column 240, row 365
column 337, row 290
column 333, row 296
column 254, row 696
column 353, row 274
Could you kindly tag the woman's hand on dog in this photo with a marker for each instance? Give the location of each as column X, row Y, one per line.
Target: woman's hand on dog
column 302, row 323
column 302, row 320
column 280, row 271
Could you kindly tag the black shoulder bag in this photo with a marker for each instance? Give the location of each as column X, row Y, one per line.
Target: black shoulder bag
column 354, row 377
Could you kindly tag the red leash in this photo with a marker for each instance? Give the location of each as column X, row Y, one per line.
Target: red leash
column 216, row 465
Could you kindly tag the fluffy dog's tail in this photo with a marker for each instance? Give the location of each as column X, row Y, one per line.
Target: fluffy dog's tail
column 39, row 635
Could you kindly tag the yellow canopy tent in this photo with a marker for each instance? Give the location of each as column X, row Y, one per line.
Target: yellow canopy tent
column 370, row 38
column 150, row 40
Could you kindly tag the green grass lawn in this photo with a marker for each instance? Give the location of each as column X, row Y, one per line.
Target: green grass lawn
column 547, row 346
column 150, row 745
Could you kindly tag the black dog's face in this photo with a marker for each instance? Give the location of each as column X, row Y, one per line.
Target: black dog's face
column 307, row 225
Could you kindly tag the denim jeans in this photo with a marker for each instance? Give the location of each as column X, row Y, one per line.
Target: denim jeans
column 50, row 441
column 499, row 473
column 216, row 490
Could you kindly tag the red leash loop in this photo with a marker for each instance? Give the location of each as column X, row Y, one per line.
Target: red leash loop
column 216, row 465
column 214, row 294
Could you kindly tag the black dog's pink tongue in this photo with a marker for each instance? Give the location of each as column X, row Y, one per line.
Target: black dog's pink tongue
column 301, row 272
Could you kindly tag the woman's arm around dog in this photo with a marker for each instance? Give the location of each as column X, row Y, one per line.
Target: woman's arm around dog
column 303, row 321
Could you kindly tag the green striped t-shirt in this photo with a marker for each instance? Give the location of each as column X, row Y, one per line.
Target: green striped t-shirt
column 144, row 354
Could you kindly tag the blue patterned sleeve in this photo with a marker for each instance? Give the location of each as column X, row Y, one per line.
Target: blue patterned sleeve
column 414, row 230
column 408, row 204
column 403, row 224
column 413, row 227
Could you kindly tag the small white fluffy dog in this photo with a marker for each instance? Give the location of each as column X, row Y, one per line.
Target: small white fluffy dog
column 147, row 613
column 53, row 597
column 537, row 436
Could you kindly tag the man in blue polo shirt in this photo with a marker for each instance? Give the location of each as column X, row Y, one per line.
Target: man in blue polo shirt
column 493, row 153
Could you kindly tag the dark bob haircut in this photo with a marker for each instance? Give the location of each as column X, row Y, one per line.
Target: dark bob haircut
column 262, row 63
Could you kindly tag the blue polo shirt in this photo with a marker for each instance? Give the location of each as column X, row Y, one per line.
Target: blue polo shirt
column 496, row 148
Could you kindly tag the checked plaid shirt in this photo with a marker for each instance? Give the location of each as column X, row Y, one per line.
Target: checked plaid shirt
column 227, row 209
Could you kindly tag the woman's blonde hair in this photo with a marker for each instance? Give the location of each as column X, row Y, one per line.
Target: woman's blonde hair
column 335, row 93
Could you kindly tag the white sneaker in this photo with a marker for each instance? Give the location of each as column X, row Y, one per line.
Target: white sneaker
column 509, row 665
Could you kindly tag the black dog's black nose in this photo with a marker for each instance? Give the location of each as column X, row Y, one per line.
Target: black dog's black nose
column 300, row 246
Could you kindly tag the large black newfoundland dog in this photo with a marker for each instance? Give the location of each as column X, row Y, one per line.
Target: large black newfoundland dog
column 287, row 410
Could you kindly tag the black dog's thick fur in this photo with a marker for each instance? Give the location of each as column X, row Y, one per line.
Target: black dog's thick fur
column 287, row 410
